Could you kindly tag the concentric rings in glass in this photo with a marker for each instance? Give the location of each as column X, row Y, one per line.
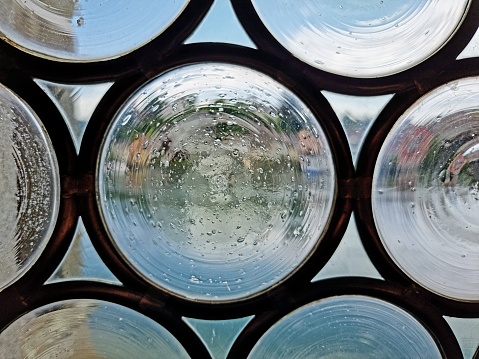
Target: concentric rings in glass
column 215, row 182
column 425, row 192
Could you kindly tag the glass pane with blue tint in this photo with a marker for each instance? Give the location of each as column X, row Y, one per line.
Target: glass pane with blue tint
column 467, row 333
column 218, row 335
column 350, row 258
column 221, row 25
column 215, row 182
column 82, row 30
column 76, row 104
column 347, row 327
column 82, row 261
column 356, row 114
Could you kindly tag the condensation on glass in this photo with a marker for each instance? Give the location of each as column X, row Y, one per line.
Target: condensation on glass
column 29, row 187
column 215, row 182
column 425, row 195
column 87, row 328
column 82, row 30
column 351, row 326
column 365, row 39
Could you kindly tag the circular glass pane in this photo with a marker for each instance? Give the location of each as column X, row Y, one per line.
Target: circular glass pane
column 215, row 182
column 425, row 195
column 87, row 328
column 29, row 187
column 349, row 327
column 82, row 30
column 367, row 38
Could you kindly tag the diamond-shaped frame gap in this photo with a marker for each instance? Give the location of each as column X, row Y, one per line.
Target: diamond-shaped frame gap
column 349, row 259
column 76, row 103
column 82, row 261
column 221, row 25
column 472, row 48
column 356, row 114
column 218, row 335
column 467, row 334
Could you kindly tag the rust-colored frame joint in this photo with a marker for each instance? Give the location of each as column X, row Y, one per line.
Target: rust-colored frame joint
column 355, row 188
column 81, row 185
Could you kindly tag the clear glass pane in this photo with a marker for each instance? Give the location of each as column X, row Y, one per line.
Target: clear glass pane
column 368, row 38
column 472, row 49
column 221, row 25
column 356, row 114
column 350, row 258
column 83, row 30
column 82, row 261
column 426, row 191
column 218, row 335
column 215, row 182
column 76, row 103
column 87, row 328
column 29, row 187
column 467, row 334
column 347, row 327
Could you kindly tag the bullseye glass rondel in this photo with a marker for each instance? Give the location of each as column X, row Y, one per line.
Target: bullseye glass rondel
column 82, row 30
column 367, row 38
column 215, row 182
column 29, row 187
column 87, row 328
column 344, row 327
column 425, row 194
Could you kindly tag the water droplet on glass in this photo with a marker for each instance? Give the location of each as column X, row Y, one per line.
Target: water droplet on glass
column 221, row 182
column 29, row 182
column 125, row 120
column 431, row 190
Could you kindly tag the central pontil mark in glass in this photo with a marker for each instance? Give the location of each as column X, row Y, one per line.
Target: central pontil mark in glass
column 216, row 186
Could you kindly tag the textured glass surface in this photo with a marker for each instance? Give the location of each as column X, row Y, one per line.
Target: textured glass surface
column 28, row 187
column 221, row 25
column 350, row 258
column 83, row 30
column 472, row 49
column 76, row 103
column 367, row 38
column 82, row 261
column 467, row 334
column 426, row 191
column 218, row 335
column 87, row 328
column 356, row 114
column 215, row 182
column 347, row 327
